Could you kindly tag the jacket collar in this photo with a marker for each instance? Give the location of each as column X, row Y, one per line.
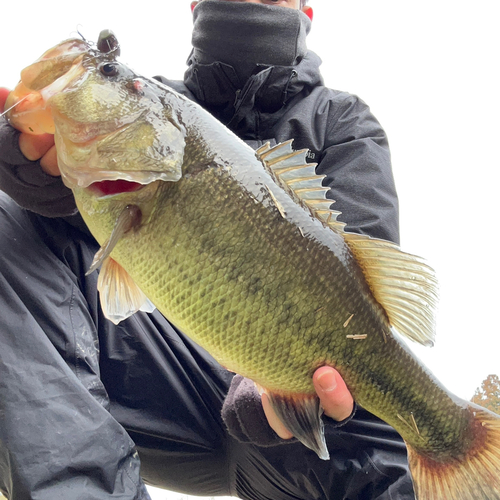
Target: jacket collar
column 261, row 101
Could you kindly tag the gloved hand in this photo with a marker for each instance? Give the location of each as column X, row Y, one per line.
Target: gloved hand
column 251, row 419
column 35, row 147
column 29, row 172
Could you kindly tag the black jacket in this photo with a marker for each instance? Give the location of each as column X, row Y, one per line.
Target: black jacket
column 77, row 393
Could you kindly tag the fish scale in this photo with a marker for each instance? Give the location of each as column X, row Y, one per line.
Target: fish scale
column 243, row 253
column 205, row 260
column 254, row 314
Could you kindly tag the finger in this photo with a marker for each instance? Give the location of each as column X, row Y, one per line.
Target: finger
column 35, row 146
column 273, row 419
column 3, row 97
column 336, row 400
column 48, row 162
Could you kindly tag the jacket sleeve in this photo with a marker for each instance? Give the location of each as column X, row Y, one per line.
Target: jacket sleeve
column 357, row 164
column 26, row 183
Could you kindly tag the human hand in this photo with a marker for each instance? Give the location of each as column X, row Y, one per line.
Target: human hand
column 336, row 400
column 36, row 147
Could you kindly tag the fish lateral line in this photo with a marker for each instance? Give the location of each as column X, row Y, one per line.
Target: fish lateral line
column 390, row 273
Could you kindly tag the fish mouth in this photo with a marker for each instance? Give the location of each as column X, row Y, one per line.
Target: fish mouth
column 105, row 183
column 114, row 187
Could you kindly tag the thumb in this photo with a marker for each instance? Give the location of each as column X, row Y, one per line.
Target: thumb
column 336, row 400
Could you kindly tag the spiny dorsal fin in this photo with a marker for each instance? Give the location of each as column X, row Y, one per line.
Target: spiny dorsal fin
column 120, row 296
column 299, row 178
column 403, row 284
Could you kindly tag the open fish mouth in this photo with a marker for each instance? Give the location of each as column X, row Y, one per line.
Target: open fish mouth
column 108, row 182
column 113, row 187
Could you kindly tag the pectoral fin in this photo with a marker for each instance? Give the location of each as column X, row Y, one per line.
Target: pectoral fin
column 129, row 218
column 301, row 415
column 120, row 296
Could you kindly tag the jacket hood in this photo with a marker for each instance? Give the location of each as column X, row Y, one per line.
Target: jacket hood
column 244, row 35
column 248, row 62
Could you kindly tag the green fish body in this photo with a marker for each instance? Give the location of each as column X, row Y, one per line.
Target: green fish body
column 241, row 251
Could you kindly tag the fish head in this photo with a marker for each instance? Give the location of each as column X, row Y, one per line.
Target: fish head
column 110, row 124
column 114, row 125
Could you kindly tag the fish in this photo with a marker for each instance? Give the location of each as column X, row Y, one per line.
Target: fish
column 242, row 251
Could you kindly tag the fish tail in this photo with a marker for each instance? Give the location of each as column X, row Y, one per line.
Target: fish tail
column 473, row 475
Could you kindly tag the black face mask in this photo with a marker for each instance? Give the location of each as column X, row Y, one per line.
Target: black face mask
column 244, row 35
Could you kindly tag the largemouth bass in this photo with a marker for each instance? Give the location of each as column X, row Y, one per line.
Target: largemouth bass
column 242, row 252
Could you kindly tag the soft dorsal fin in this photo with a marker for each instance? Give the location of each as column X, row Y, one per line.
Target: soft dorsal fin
column 403, row 284
column 120, row 296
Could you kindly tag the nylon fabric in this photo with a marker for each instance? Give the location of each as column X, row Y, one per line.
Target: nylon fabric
column 56, row 434
column 337, row 128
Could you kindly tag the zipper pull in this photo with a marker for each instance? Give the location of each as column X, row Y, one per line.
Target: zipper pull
column 293, row 74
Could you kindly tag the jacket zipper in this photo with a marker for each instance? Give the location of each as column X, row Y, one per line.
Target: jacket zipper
column 293, row 74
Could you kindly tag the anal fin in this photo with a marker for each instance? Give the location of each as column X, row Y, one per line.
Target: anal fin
column 301, row 415
column 120, row 296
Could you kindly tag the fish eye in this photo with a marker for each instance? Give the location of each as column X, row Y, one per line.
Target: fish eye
column 108, row 69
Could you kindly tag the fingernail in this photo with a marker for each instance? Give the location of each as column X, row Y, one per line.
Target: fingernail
column 327, row 382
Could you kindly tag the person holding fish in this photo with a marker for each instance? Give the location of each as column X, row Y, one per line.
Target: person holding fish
column 92, row 408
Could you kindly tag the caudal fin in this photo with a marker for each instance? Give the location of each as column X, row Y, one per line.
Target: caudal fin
column 473, row 476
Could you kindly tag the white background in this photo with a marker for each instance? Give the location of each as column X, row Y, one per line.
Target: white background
column 428, row 70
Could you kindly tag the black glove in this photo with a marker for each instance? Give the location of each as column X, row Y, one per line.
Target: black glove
column 244, row 416
column 25, row 181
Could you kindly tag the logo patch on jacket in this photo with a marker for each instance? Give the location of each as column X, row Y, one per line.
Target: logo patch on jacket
column 312, row 155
